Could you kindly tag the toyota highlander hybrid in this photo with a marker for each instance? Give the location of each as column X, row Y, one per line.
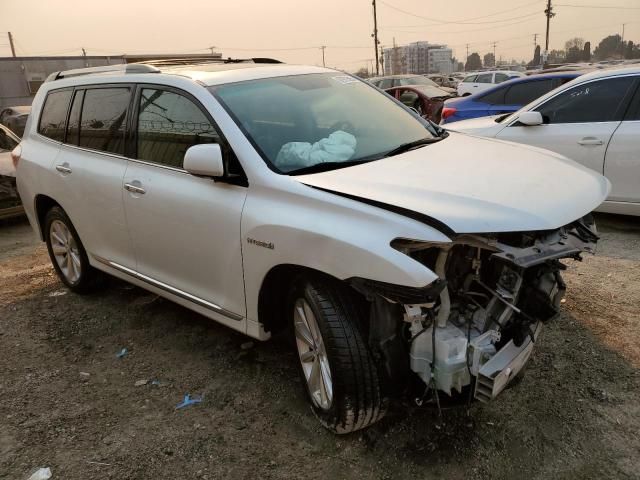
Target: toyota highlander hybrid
column 271, row 197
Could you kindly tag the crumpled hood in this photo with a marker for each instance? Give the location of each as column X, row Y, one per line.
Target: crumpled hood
column 475, row 185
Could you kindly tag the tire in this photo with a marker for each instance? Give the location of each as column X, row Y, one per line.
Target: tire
column 68, row 255
column 336, row 349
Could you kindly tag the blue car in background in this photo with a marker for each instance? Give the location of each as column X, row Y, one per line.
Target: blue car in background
column 506, row 97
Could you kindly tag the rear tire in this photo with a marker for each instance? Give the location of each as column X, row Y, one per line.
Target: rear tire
column 68, row 255
column 335, row 363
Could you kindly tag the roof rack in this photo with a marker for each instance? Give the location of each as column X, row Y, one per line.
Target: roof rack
column 120, row 68
column 175, row 62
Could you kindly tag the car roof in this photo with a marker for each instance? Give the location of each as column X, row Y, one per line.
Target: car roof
column 208, row 74
column 404, row 75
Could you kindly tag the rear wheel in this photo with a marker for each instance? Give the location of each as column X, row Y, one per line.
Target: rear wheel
column 336, row 366
column 67, row 253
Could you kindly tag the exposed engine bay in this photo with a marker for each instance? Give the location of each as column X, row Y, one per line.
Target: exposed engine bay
column 477, row 325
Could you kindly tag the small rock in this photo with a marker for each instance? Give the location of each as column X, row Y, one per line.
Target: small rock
column 85, row 374
column 59, row 293
column 246, row 345
column 140, row 383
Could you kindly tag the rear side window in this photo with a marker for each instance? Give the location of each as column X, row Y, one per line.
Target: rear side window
column 501, row 77
column 527, row 92
column 103, row 120
column 470, row 79
column 53, row 118
column 168, row 124
column 485, row 78
column 495, row 97
column 600, row 101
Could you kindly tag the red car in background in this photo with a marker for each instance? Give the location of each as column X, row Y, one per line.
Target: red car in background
column 428, row 101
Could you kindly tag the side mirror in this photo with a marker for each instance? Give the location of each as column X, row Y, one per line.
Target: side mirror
column 205, row 159
column 530, row 119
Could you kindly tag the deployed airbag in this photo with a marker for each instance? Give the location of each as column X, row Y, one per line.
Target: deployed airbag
column 337, row 147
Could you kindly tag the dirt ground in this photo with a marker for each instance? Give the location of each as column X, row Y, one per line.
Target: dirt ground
column 69, row 403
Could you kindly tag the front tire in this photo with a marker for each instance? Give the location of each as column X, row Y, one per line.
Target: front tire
column 336, row 366
column 67, row 253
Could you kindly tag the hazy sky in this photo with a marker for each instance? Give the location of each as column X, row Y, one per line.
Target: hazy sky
column 293, row 30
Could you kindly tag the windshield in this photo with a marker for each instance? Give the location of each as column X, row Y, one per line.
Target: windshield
column 302, row 121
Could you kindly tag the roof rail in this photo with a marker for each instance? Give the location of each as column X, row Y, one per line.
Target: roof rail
column 176, row 62
column 120, row 68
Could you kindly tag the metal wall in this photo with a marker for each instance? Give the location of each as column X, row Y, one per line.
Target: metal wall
column 21, row 76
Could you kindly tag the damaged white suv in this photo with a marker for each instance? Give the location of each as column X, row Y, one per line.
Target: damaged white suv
column 271, row 197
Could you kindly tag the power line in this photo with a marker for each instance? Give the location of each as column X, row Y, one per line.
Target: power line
column 448, row 32
column 449, row 22
column 596, row 6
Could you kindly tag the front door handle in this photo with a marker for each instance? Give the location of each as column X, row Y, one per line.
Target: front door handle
column 134, row 188
column 590, row 141
column 64, row 168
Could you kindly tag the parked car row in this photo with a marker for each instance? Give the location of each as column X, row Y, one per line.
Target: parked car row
column 15, row 118
column 10, row 205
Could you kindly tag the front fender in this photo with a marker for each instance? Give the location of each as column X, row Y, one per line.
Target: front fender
column 341, row 237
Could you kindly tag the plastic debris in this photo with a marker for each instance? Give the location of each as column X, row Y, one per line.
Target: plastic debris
column 246, row 345
column 59, row 293
column 155, row 382
column 188, row 400
column 140, row 383
column 85, row 374
column 122, row 353
column 41, row 474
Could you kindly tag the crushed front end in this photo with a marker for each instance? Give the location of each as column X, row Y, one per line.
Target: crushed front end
column 478, row 324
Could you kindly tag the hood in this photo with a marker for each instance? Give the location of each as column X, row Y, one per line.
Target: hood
column 474, row 185
column 485, row 126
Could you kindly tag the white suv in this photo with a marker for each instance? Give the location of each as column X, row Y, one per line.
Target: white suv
column 482, row 81
column 291, row 198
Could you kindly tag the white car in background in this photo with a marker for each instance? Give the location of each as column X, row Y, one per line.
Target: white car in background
column 481, row 81
column 594, row 120
column 301, row 199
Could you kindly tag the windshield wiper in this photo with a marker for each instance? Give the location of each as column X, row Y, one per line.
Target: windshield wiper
column 405, row 147
column 325, row 167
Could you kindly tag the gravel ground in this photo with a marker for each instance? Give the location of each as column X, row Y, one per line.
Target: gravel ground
column 69, row 403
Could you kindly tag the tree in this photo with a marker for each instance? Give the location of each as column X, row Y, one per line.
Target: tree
column 489, row 60
column 631, row 51
column 573, row 55
column 608, row 47
column 536, row 57
column 473, row 62
column 574, row 42
column 556, row 56
column 586, row 52
column 460, row 67
column 362, row 73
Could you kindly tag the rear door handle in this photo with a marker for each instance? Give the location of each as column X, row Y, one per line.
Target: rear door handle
column 134, row 188
column 64, row 168
column 590, row 141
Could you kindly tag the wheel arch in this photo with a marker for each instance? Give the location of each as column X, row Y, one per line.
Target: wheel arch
column 42, row 204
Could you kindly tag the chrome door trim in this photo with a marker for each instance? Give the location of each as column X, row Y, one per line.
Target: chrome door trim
column 168, row 288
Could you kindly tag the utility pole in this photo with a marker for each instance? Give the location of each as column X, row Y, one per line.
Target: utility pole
column 13, row 49
column 495, row 62
column 466, row 59
column 622, row 39
column 322, row 48
column 375, row 35
column 381, row 61
column 549, row 13
column 535, row 40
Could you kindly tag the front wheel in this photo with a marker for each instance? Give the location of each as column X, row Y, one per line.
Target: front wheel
column 336, row 366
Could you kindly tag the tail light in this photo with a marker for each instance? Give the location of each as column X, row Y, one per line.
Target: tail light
column 16, row 153
column 448, row 111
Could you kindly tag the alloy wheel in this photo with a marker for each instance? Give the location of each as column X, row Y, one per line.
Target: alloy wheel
column 313, row 355
column 65, row 251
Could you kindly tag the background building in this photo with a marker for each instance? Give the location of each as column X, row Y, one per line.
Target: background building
column 20, row 77
column 417, row 58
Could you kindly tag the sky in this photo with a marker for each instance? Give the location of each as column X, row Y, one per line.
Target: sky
column 294, row 30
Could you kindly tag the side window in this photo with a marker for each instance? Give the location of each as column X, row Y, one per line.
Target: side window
column 7, row 143
column 496, row 97
column 386, row 83
column 527, row 92
column 599, row 101
column 54, row 114
column 73, row 129
column 634, row 110
column 104, row 113
column 470, row 79
column 168, row 124
column 501, row 77
column 485, row 78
